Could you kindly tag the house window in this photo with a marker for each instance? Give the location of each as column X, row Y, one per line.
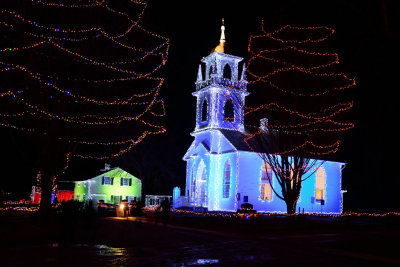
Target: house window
column 107, row 180
column 245, row 199
column 266, row 177
column 227, row 180
column 77, row 197
column 116, row 199
column 126, row 181
column 84, row 197
column 320, row 180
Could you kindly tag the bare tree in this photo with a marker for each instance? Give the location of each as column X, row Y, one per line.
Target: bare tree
column 298, row 101
column 79, row 79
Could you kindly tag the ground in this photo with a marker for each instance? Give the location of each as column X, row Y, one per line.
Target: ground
column 188, row 240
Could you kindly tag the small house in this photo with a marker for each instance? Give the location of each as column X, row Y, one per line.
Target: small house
column 65, row 191
column 112, row 187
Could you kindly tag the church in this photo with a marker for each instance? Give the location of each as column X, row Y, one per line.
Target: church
column 222, row 172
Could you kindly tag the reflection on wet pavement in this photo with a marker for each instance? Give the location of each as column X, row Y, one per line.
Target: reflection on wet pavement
column 204, row 261
column 103, row 250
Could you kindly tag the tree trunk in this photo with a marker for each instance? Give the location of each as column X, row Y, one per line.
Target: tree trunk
column 291, row 206
column 45, row 200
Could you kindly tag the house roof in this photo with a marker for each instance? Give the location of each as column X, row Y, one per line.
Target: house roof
column 115, row 172
column 65, row 185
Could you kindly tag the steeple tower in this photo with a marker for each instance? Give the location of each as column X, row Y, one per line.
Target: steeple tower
column 221, row 47
column 221, row 91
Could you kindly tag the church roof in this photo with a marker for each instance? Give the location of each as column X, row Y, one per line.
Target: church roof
column 241, row 141
column 237, row 139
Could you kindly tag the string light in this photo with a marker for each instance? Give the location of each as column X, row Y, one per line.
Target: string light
column 321, row 121
column 66, row 41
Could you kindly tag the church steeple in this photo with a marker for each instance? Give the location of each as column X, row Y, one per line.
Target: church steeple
column 221, row 47
column 221, row 91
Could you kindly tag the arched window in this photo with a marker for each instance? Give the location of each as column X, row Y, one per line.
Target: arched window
column 240, row 69
column 227, row 73
column 266, row 179
column 203, row 71
column 204, row 111
column 320, row 180
column 227, row 180
column 229, row 110
column 204, row 174
column 210, row 70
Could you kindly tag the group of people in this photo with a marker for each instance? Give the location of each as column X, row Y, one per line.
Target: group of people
column 133, row 209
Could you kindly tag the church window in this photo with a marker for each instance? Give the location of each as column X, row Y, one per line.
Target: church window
column 227, row 180
column 204, row 174
column 204, row 111
column 229, row 110
column 210, row 70
column 266, row 177
column 203, row 71
column 320, row 184
column 227, row 72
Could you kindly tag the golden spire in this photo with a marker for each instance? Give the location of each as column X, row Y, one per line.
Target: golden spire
column 220, row 47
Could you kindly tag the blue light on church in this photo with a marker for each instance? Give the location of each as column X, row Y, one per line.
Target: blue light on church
column 222, row 172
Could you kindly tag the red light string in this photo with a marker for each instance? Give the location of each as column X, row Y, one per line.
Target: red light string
column 321, row 119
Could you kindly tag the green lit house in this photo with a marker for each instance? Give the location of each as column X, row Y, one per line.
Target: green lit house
column 112, row 187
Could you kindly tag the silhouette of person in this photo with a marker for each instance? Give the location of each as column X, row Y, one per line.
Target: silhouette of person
column 165, row 209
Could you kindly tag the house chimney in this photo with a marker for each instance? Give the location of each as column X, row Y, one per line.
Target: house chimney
column 264, row 124
column 107, row 167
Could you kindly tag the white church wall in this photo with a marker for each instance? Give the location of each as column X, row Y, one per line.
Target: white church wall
column 250, row 171
column 333, row 202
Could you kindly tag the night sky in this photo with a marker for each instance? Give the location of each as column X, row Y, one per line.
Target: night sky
column 367, row 39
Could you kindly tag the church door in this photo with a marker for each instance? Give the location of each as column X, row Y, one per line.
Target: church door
column 201, row 186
